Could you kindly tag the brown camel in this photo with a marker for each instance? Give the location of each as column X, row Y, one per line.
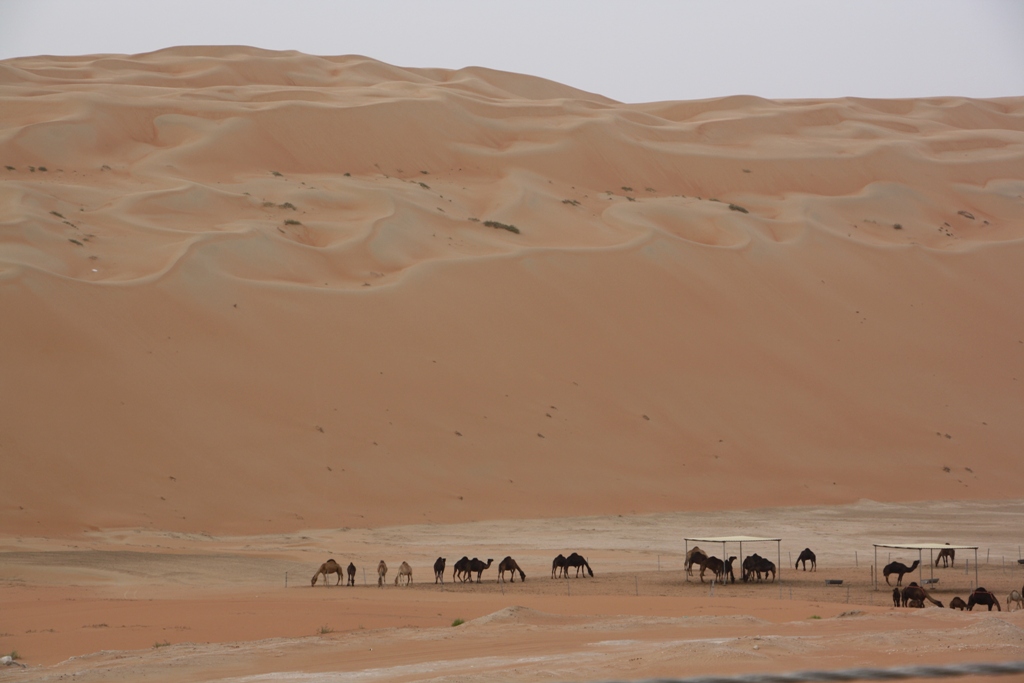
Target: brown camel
column 947, row 555
column 461, row 569
column 351, row 574
column 404, row 570
column 755, row 565
column 718, row 568
column 896, row 597
column 898, row 568
column 439, row 570
column 958, row 603
column 476, row 565
column 694, row 556
column 980, row 596
column 579, row 562
column 382, row 572
column 915, row 603
column 328, row 567
column 807, row 556
column 558, row 566
column 1014, row 597
column 914, row 592
column 511, row 566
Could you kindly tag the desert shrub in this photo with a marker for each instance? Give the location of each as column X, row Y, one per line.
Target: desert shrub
column 425, row 186
column 275, row 173
column 458, row 622
column 627, row 189
column 288, row 205
column 737, row 207
column 324, row 630
column 897, row 226
column 57, row 214
column 159, row 644
column 503, row 226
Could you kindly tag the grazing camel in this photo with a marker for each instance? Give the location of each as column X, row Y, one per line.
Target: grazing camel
column 351, row 574
column 947, row 555
column 511, row 566
column 980, row 596
column 476, row 565
column 1014, row 597
column 716, row 566
column 958, row 603
column 755, row 566
column 461, row 569
column 913, row 592
column 382, row 572
column 694, row 556
column 579, row 562
column 404, row 570
column 898, row 568
column 896, row 597
column 807, row 556
column 328, row 567
column 558, row 566
column 439, row 570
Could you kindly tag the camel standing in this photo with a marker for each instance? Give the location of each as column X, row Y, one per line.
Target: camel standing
column 718, row 568
column 558, row 566
column 980, row 596
column 1014, row 597
column 439, row 570
column 913, row 592
column 477, row 565
column 900, row 569
column 694, row 556
column 328, row 567
column 404, row 570
column 807, row 556
column 948, row 556
column 382, row 572
column 511, row 566
column 351, row 574
column 579, row 562
column 461, row 569
column 896, row 597
column 957, row 603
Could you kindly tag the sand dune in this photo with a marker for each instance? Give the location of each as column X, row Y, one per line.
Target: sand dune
column 252, row 291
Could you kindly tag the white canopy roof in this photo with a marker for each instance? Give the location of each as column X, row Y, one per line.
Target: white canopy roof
column 926, row 546
column 733, row 539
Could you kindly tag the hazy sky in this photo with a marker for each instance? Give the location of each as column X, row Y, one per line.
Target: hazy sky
column 632, row 51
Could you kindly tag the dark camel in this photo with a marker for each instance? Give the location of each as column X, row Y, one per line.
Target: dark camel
column 351, row 574
column 439, row 570
column 328, row 567
column 719, row 569
column 461, row 569
column 896, row 597
column 980, row 596
column 915, row 592
column 948, row 556
column 694, row 556
column 807, row 556
column 511, row 566
column 958, row 603
column 579, row 562
column 755, row 565
column 558, row 566
column 898, row 568
column 478, row 566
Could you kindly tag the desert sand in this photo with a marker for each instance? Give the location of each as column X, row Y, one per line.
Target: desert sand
column 265, row 308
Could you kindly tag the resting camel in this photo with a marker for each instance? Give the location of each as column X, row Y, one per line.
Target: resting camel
column 958, row 603
column 896, row 597
column 718, row 568
column 694, row 556
column 947, row 555
column 1014, row 597
column 328, row 567
column 478, row 566
column 461, row 569
column 898, row 568
column 351, row 574
column 404, row 570
column 439, row 570
column 980, row 596
column 382, row 572
column 807, row 556
column 558, row 566
column 579, row 562
column 915, row 603
column 511, row 566
column 913, row 592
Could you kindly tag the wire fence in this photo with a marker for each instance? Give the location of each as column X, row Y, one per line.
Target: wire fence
column 863, row 674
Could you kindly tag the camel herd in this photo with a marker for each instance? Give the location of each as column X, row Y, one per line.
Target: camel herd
column 754, row 567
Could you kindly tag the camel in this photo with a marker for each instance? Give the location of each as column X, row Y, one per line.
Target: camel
column 980, row 596
column 1014, row 597
column 351, row 574
column 382, row 572
column 915, row 603
column 558, row 566
column 439, row 570
column 580, row 562
column 896, row 597
column 461, row 569
column 511, row 566
column 755, row 565
column 913, row 592
column 947, row 555
column 958, row 603
column 694, row 556
column 898, row 568
column 328, row 567
column 717, row 567
column 807, row 556
column 476, row 565
column 404, row 570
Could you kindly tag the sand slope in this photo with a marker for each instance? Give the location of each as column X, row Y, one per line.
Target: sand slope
column 254, row 291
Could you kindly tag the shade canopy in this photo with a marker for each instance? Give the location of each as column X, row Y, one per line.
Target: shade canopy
column 733, row 539
column 926, row 546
